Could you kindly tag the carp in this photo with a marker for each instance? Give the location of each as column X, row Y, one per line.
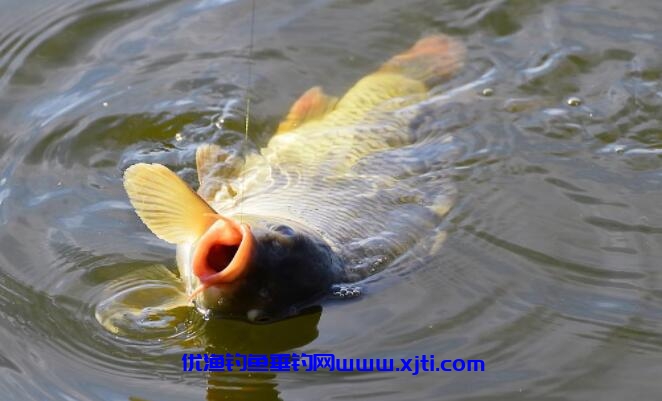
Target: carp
column 343, row 188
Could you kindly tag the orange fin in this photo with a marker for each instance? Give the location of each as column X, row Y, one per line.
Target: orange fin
column 432, row 59
column 312, row 105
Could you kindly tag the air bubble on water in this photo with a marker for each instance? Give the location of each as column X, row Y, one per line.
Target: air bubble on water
column 574, row 101
column 219, row 123
column 179, row 137
column 487, row 92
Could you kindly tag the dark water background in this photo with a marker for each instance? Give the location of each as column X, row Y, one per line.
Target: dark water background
column 551, row 270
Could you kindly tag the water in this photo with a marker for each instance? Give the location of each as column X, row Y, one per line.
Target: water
column 550, row 272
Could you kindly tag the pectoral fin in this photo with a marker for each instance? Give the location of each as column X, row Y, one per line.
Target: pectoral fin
column 206, row 156
column 312, row 105
column 167, row 206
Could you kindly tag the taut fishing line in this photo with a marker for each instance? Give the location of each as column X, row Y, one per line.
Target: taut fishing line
column 248, row 107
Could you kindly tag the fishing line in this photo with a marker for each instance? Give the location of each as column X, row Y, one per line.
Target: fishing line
column 248, row 108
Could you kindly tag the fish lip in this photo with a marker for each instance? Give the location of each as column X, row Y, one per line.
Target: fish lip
column 226, row 232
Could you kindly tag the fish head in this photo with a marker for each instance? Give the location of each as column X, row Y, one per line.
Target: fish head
column 259, row 271
column 256, row 268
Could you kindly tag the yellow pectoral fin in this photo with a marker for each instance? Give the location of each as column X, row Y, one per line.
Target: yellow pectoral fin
column 312, row 105
column 167, row 206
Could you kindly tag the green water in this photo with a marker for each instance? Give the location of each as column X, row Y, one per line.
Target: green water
column 551, row 268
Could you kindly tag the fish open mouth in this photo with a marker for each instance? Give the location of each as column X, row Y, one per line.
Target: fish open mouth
column 219, row 256
column 223, row 253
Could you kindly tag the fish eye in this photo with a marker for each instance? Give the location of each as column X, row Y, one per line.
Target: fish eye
column 285, row 230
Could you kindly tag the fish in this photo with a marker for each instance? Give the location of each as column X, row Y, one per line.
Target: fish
column 344, row 187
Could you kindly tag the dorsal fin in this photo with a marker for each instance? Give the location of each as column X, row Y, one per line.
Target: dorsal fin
column 312, row 105
column 167, row 206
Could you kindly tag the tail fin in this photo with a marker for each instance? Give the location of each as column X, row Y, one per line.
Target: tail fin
column 409, row 75
column 430, row 60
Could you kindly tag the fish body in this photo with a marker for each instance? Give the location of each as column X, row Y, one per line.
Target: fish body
column 344, row 187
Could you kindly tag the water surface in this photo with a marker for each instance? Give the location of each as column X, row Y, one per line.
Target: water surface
column 551, row 268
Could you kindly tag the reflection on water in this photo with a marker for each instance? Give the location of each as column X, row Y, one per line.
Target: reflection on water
column 550, row 270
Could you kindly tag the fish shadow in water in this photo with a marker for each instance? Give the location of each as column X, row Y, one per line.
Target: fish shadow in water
column 223, row 336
